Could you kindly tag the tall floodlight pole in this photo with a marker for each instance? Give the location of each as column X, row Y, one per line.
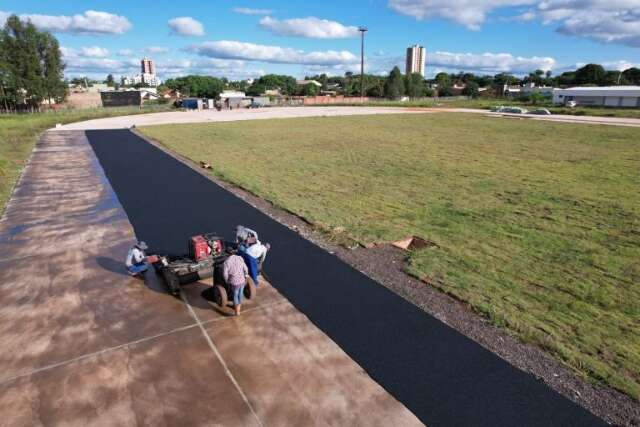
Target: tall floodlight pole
column 362, row 30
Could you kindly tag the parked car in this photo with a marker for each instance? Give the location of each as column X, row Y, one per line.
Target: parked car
column 512, row 110
column 540, row 112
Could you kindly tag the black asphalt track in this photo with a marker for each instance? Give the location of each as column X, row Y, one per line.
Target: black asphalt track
column 443, row 377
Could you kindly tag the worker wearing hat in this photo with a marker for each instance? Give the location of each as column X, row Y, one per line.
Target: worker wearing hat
column 136, row 261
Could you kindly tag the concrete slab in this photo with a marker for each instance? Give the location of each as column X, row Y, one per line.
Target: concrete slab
column 229, row 115
column 85, row 344
column 65, row 291
column 279, row 357
column 152, row 383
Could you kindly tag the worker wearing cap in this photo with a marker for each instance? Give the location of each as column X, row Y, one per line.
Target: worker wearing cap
column 136, row 259
column 245, row 236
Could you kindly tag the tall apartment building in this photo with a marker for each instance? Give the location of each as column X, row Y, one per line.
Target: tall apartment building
column 147, row 66
column 415, row 60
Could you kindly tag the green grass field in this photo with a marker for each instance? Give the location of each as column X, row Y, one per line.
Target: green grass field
column 19, row 132
column 537, row 223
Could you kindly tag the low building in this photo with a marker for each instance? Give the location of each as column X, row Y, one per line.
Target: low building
column 530, row 88
column 121, row 98
column 605, row 96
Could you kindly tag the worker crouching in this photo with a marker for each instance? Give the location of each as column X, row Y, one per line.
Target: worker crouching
column 136, row 261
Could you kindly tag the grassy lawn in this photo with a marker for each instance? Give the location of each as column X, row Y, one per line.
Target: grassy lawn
column 537, row 224
column 19, row 132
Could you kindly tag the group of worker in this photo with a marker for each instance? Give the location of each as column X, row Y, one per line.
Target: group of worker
column 245, row 265
column 237, row 269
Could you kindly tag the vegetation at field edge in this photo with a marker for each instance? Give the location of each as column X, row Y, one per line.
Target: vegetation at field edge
column 537, row 224
column 19, row 132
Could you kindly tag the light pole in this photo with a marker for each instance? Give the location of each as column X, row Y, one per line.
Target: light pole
column 362, row 30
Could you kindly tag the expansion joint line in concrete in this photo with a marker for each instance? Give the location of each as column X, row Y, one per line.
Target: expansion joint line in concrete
column 95, row 353
column 220, row 358
column 117, row 347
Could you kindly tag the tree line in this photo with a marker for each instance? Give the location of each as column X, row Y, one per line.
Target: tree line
column 31, row 67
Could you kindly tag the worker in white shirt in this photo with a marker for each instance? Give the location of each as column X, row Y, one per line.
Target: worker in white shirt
column 254, row 256
column 136, row 259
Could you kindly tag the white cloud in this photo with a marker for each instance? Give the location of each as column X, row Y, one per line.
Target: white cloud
column 4, row 16
column 470, row 13
column 607, row 21
column 252, row 11
column 90, row 22
column 186, row 26
column 84, row 52
column 489, row 62
column 484, row 63
column 616, row 21
column 94, row 52
column 227, row 49
column 310, row 27
column 232, row 69
column 156, row 49
column 99, row 66
column 125, row 52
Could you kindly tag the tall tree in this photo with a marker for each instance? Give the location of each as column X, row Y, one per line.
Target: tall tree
column 30, row 66
column 632, row 75
column 471, row 89
column 414, row 85
column 394, row 87
column 590, row 74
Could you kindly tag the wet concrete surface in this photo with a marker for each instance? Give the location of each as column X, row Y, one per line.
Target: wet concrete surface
column 439, row 374
column 85, row 344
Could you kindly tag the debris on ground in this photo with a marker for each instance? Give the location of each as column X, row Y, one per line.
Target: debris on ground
column 204, row 165
column 412, row 243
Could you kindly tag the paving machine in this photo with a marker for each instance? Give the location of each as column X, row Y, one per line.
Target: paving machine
column 206, row 254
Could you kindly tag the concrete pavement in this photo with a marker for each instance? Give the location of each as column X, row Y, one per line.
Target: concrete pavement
column 559, row 118
column 210, row 116
column 85, row 344
column 204, row 116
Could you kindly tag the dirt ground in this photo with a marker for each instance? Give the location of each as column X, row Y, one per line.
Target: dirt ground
column 386, row 264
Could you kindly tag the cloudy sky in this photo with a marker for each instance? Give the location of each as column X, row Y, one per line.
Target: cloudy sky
column 247, row 39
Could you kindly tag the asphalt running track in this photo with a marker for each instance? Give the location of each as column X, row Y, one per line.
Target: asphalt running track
column 443, row 377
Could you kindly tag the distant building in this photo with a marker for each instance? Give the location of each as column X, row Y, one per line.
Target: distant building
column 147, row 75
column 606, row 96
column 147, row 66
column 150, row 80
column 415, row 60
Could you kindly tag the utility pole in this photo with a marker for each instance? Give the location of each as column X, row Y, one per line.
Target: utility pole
column 362, row 30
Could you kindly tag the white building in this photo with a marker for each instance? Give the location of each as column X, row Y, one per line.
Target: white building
column 415, row 60
column 608, row 96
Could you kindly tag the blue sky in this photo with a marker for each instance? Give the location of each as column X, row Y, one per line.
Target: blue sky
column 247, row 39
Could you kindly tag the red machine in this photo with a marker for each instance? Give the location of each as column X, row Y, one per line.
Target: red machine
column 199, row 248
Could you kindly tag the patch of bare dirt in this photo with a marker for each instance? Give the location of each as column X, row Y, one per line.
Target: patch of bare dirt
column 386, row 264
